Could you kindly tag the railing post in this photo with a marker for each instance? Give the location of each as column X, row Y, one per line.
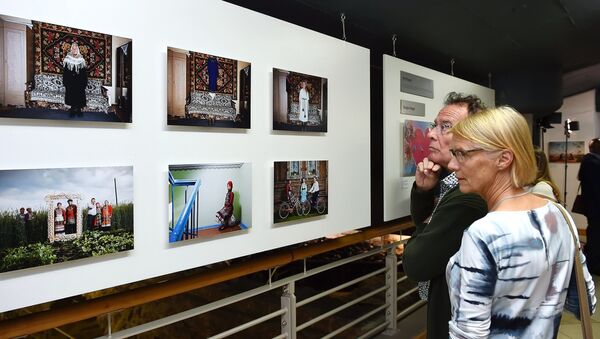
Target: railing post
column 391, row 291
column 288, row 319
column 109, row 324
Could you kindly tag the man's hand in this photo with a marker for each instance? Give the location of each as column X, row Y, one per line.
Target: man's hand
column 427, row 175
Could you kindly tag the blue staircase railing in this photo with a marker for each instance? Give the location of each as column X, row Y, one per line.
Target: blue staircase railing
column 187, row 222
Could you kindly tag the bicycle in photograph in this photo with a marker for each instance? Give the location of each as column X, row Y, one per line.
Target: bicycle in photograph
column 302, row 208
column 320, row 206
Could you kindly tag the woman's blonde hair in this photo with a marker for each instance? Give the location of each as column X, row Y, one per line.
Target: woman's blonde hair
column 502, row 128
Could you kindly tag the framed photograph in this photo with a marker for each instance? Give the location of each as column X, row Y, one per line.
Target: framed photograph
column 575, row 151
column 206, row 200
column 49, row 216
column 64, row 73
column 207, row 90
column 300, row 190
column 299, row 102
column 415, row 145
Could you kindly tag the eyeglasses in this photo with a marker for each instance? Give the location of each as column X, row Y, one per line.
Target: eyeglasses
column 463, row 155
column 443, row 127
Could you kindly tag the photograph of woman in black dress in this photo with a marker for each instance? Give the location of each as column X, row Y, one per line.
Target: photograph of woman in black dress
column 75, row 80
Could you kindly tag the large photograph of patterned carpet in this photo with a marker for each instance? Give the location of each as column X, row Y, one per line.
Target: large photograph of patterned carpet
column 207, row 90
column 59, row 72
column 300, row 190
column 54, row 215
column 207, row 200
column 299, row 102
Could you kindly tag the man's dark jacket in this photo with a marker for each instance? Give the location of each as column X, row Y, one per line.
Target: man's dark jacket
column 427, row 252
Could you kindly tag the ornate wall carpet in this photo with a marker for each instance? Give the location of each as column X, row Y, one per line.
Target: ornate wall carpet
column 213, row 74
column 53, row 42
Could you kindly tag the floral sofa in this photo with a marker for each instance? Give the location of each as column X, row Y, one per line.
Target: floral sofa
column 207, row 105
column 47, row 90
column 314, row 116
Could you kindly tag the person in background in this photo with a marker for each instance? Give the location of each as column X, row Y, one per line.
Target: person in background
column 510, row 277
column 22, row 215
column 91, row 214
column 71, row 217
column 441, row 213
column 288, row 191
column 59, row 219
column 225, row 214
column 106, row 212
column 314, row 192
column 28, row 224
column 303, row 100
column 543, row 185
column 28, row 216
column 589, row 176
column 98, row 218
column 303, row 190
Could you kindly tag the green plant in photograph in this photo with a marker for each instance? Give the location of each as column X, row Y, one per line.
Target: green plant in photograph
column 95, row 243
column 27, row 256
column 14, row 232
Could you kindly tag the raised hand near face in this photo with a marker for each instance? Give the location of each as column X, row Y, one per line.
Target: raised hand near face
column 427, row 175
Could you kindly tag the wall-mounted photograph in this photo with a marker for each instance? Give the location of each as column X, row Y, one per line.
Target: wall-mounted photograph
column 415, row 145
column 299, row 102
column 58, row 72
column 575, row 151
column 207, row 90
column 206, row 200
column 300, row 190
column 49, row 216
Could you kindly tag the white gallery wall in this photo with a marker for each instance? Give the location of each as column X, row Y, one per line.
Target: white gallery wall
column 396, row 188
column 150, row 146
column 580, row 107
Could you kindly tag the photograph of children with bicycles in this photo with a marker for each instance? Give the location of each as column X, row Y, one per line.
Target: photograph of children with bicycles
column 300, row 190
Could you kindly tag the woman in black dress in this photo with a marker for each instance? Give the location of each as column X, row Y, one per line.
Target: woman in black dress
column 75, row 79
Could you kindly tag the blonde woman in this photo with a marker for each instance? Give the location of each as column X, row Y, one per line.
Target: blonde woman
column 511, row 274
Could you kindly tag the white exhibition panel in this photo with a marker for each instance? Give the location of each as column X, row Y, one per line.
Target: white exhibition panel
column 150, row 146
column 396, row 188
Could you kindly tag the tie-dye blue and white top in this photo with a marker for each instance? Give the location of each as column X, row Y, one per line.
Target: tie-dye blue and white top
column 511, row 275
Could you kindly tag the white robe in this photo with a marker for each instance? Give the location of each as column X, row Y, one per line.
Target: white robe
column 303, row 105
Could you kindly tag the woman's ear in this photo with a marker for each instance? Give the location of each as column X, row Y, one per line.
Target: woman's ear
column 505, row 159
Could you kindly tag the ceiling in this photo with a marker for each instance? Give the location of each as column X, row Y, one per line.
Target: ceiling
column 483, row 37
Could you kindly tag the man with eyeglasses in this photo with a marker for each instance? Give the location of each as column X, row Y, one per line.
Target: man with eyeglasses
column 441, row 213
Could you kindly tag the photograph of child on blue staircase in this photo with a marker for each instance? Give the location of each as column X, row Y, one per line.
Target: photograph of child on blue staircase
column 206, row 200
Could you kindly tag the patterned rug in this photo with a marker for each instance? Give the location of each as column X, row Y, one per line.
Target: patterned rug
column 53, row 42
column 313, row 85
column 226, row 76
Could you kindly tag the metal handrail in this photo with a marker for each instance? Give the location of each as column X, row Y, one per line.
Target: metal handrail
column 262, row 289
column 71, row 313
column 410, row 309
column 376, row 329
column 194, row 311
column 355, row 321
column 335, row 289
column 407, row 293
column 339, row 308
column 401, row 279
column 249, row 324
